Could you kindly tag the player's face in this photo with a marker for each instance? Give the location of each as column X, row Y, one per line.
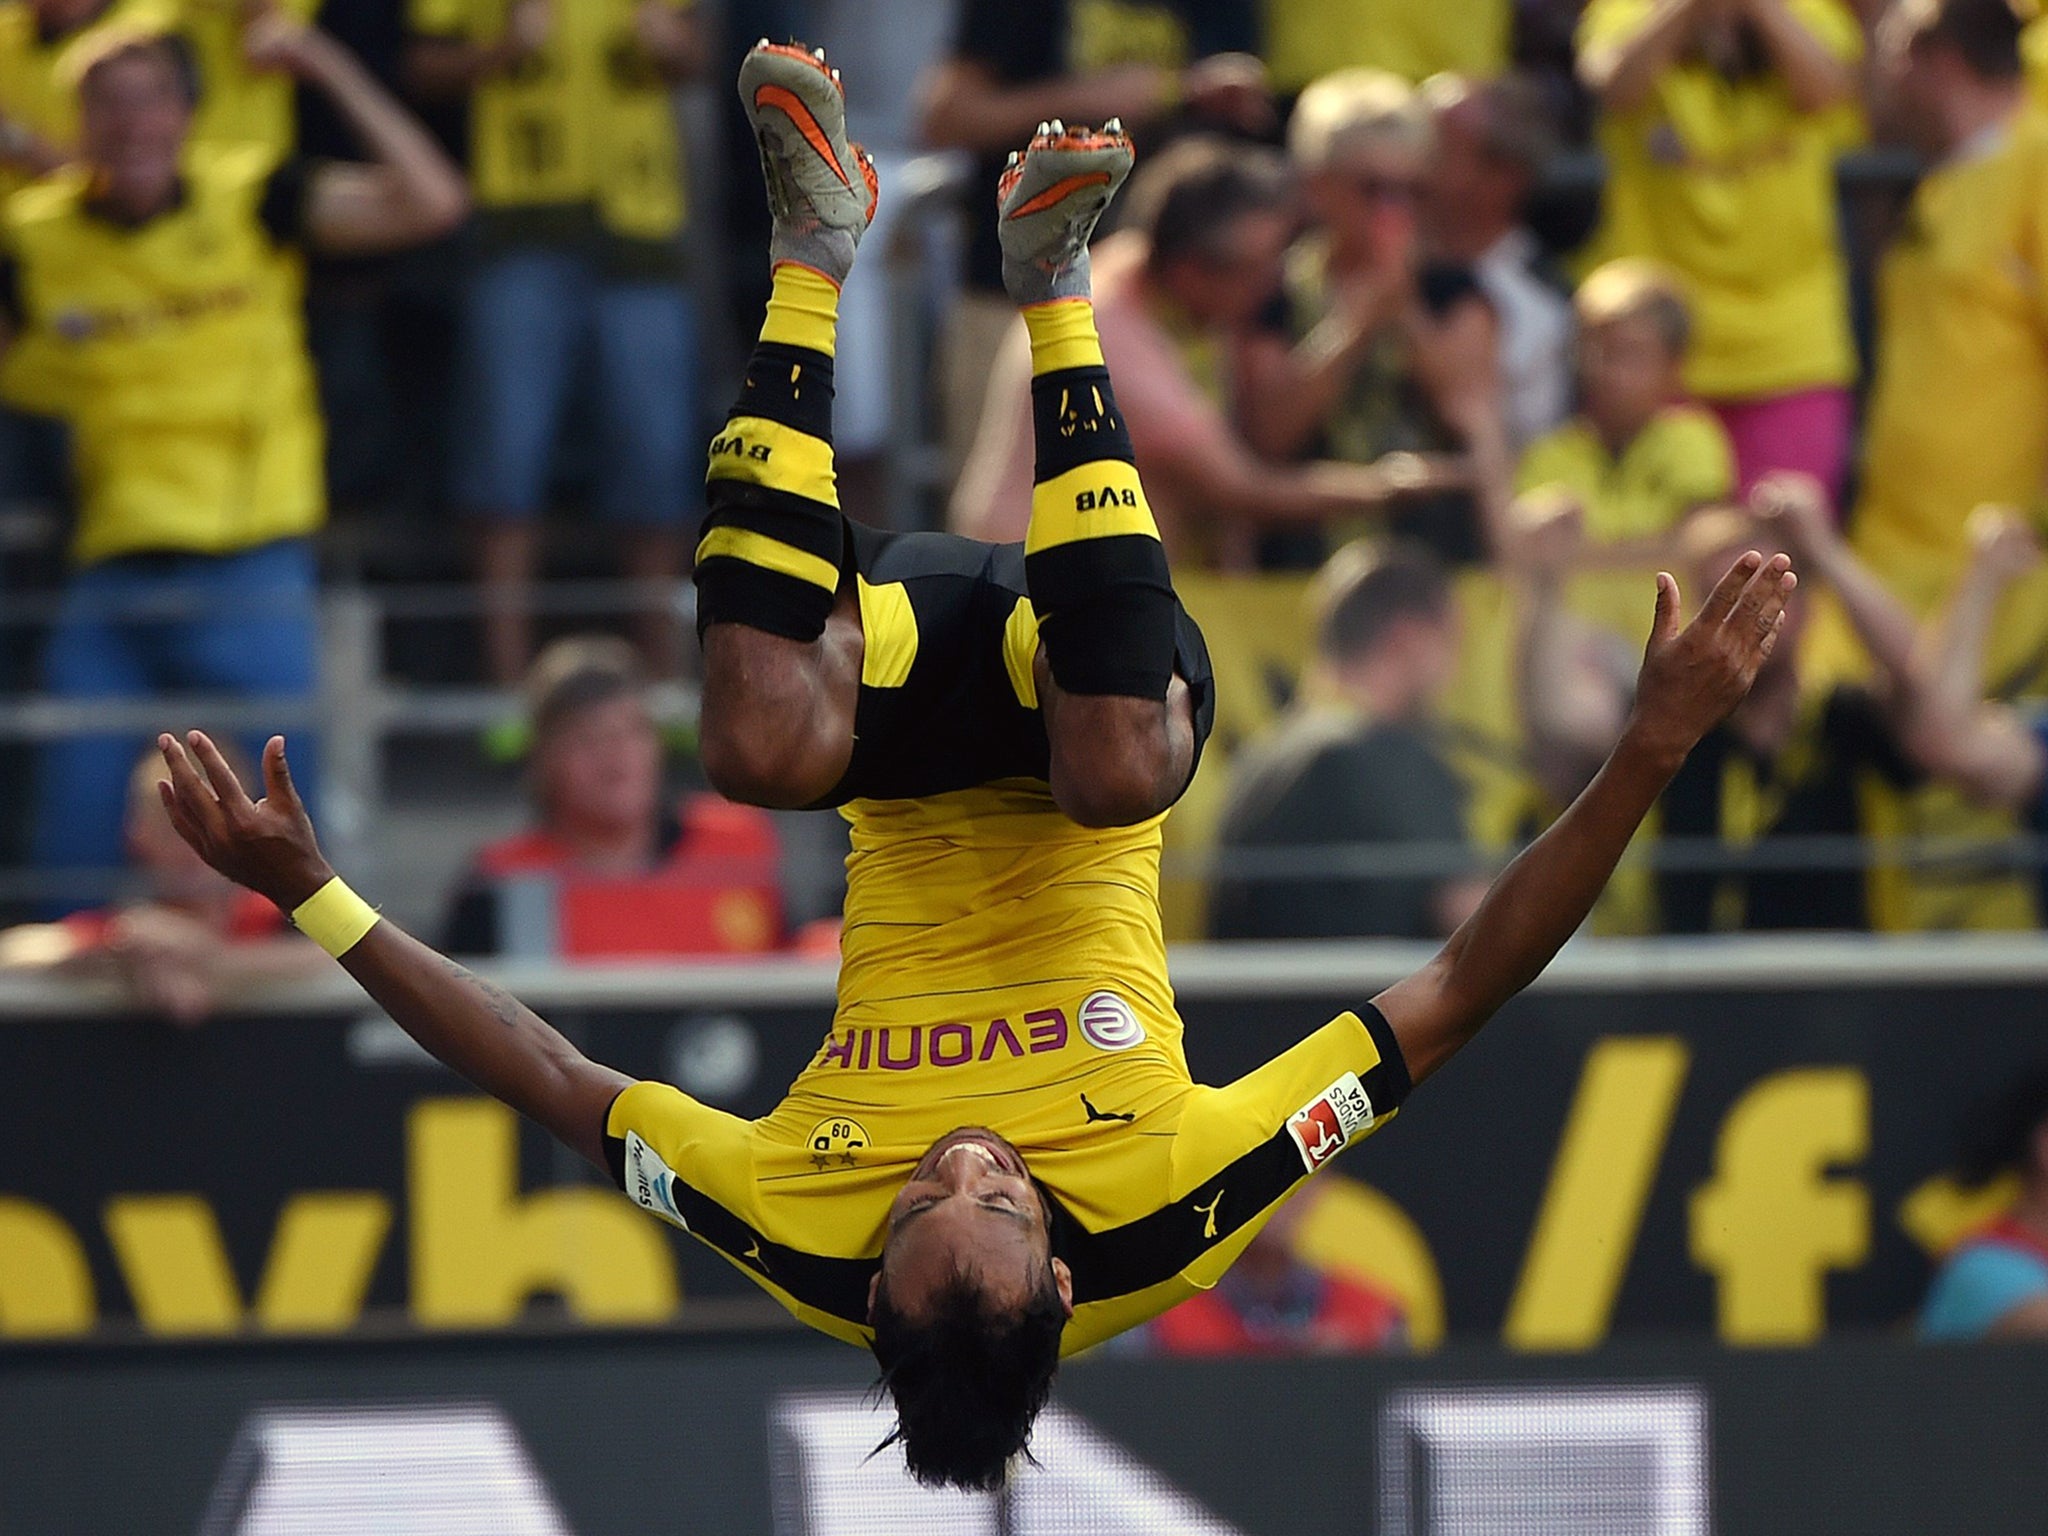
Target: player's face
column 968, row 1208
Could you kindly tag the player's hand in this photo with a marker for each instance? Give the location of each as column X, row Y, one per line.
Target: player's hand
column 1795, row 508
column 2002, row 547
column 267, row 845
column 1692, row 677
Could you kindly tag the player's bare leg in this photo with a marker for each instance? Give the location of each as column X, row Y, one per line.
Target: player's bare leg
column 1119, row 721
column 782, row 643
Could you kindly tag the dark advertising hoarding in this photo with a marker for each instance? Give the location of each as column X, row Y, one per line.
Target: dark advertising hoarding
column 1763, row 1160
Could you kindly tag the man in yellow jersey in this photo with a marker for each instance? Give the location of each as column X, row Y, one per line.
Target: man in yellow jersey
column 240, row 102
column 160, row 283
column 578, row 176
column 998, row 1155
column 1959, row 408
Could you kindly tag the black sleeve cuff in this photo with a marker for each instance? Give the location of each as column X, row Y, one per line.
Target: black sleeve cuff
column 614, row 1146
column 1388, row 1083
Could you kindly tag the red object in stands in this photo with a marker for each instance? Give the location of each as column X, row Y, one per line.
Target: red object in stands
column 717, row 892
column 1349, row 1319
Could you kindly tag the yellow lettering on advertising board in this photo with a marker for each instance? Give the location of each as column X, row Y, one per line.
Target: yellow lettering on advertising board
column 1772, row 1223
column 480, row 1249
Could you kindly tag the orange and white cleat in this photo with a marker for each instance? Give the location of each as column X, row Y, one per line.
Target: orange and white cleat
column 821, row 186
column 1050, row 196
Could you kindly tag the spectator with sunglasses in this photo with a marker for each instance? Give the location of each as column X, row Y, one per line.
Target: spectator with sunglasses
column 1376, row 352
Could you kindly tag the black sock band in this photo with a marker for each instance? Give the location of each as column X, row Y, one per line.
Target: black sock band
column 1093, row 561
column 774, row 540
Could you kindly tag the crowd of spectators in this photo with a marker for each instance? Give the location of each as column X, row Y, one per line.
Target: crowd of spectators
column 1375, row 348
column 1366, row 341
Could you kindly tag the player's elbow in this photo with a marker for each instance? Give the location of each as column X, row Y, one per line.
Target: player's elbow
column 1117, row 793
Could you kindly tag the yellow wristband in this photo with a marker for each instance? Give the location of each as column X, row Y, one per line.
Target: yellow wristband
column 335, row 918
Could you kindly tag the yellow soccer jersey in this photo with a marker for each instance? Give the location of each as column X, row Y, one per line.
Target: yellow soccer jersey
column 237, row 105
column 1959, row 409
column 179, row 358
column 1155, row 1183
column 1732, row 185
column 587, row 121
column 1411, row 38
column 1680, row 461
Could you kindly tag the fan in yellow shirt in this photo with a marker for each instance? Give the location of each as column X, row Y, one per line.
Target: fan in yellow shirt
column 155, row 285
column 1635, row 459
column 1307, row 39
column 238, row 104
column 576, row 282
column 1720, row 123
column 999, row 1152
column 1958, row 414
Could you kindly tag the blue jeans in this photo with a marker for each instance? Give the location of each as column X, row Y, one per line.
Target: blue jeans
column 532, row 321
column 241, row 623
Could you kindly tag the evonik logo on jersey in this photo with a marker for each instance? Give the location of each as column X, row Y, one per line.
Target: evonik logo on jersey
column 1326, row 1123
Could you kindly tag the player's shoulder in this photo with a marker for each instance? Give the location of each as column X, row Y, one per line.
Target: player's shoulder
column 48, row 200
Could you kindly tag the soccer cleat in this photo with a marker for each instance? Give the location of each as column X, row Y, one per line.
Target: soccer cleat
column 821, row 185
column 1050, row 196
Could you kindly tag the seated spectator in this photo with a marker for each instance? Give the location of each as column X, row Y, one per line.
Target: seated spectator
column 1994, row 1284
column 193, row 939
column 1493, row 140
column 1785, row 765
column 1413, row 39
column 607, row 871
column 1271, row 1303
column 1720, row 123
column 578, row 179
column 1379, row 351
column 161, row 285
column 1156, row 64
column 1995, row 752
column 1176, row 293
column 1354, row 770
column 1634, row 460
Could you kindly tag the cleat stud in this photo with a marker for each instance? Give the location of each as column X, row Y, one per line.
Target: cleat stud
column 1114, row 125
column 818, row 53
column 762, row 44
column 835, row 75
column 1058, row 126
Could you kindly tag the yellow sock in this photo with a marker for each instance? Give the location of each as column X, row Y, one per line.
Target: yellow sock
column 1062, row 336
column 803, row 309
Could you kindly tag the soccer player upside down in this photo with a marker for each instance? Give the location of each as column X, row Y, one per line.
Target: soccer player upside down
column 998, row 1155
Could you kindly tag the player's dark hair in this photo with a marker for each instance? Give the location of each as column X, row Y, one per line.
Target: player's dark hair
column 1189, row 199
column 1364, row 602
column 1999, row 1135
column 967, row 1379
column 1984, row 33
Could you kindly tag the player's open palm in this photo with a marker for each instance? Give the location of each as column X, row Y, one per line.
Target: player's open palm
column 1694, row 675
column 268, row 844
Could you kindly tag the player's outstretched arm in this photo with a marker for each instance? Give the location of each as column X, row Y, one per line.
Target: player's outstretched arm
column 470, row 1025
column 1691, row 679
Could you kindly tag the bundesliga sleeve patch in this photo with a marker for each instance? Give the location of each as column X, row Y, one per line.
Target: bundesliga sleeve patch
column 650, row 1181
column 1323, row 1125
